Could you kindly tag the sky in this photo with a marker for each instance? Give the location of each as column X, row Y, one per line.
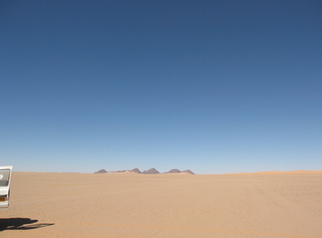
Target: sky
column 219, row 86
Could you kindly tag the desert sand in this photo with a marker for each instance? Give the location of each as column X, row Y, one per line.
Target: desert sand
column 166, row 205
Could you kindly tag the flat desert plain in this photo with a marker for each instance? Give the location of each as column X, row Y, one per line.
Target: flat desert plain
column 166, row 205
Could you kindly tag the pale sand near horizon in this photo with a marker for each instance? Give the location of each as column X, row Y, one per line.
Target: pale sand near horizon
column 141, row 206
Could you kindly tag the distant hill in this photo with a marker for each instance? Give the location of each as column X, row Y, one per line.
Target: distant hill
column 188, row 172
column 151, row 171
column 135, row 171
column 177, row 171
column 118, row 171
column 101, row 171
column 174, row 171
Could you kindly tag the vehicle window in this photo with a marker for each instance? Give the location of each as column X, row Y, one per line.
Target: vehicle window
column 4, row 177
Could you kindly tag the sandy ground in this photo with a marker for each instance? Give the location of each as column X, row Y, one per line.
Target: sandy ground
column 133, row 206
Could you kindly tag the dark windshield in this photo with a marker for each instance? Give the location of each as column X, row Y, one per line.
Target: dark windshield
column 4, row 177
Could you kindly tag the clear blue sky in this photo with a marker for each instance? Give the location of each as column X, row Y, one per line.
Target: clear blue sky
column 211, row 86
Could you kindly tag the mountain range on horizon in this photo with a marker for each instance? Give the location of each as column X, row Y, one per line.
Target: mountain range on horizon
column 149, row 171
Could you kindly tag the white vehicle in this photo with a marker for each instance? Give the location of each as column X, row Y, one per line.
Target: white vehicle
column 5, row 177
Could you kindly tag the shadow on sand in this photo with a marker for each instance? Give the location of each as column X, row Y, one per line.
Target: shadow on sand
column 21, row 224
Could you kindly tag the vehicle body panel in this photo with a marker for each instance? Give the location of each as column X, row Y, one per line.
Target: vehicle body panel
column 5, row 179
